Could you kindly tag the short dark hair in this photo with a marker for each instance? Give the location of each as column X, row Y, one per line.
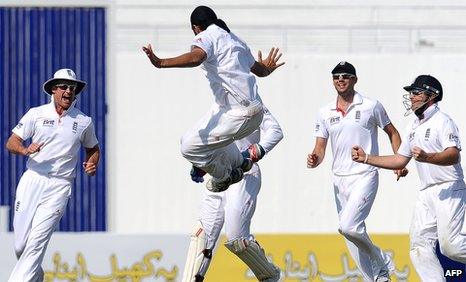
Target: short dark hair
column 204, row 16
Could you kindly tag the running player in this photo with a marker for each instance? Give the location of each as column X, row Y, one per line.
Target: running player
column 57, row 130
column 432, row 139
column 354, row 118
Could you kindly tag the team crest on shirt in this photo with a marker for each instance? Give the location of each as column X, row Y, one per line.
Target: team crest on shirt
column 453, row 137
column 75, row 127
column 317, row 127
column 427, row 135
column 48, row 122
column 411, row 136
column 19, row 125
column 357, row 116
column 334, row 120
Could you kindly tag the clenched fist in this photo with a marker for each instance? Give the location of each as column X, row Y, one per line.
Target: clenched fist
column 312, row 160
column 89, row 168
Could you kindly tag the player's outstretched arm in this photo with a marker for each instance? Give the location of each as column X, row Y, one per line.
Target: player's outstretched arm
column 188, row 60
column 396, row 161
column 395, row 141
column 15, row 145
column 263, row 68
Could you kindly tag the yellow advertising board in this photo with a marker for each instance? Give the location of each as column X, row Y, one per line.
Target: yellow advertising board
column 311, row 258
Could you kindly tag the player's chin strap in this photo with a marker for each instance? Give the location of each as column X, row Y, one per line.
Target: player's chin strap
column 419, row 110
column 199, row 256
column 249, row 251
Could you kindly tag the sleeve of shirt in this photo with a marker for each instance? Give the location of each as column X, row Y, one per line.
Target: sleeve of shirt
column 404, row 149
column 250, row 58
column 271, row 132
column 247, row 55
column 89, row 139
column 25, row 127
column 202, row 41
column 381, row 115
column 449, row 135
column 320, row 129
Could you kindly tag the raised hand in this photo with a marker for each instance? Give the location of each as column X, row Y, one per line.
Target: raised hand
column 271, row 61
column 156, row 61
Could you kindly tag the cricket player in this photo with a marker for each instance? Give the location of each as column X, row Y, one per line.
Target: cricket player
column 354, row 118
column 57, row 130
column 432, row 139
column 230, row 68
column 235, row 208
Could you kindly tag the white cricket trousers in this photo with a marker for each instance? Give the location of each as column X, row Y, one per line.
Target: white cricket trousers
column 438, row 214
column 354, row 196
column 233, row 207
column 39, row 205
column 209, row 144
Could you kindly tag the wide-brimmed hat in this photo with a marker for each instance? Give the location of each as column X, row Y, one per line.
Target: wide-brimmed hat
column 63, row 75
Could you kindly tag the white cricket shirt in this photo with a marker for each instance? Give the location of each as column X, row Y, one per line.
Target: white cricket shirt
column 227, row 67
column 358, row 126
column 434, row 133
column 61, row 136
column 267, row 135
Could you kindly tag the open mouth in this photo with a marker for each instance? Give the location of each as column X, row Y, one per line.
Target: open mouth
column 342, row 85
column 66, row 98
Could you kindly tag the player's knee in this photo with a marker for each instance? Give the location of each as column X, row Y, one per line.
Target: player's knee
column 236, row 234
column 185, row 150
column 349, row 231
column 187, row 145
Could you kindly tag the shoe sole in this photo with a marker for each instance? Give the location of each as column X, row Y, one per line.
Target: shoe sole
column 210, row 185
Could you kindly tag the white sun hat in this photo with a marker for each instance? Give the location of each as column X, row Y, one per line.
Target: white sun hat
column 65, row 75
